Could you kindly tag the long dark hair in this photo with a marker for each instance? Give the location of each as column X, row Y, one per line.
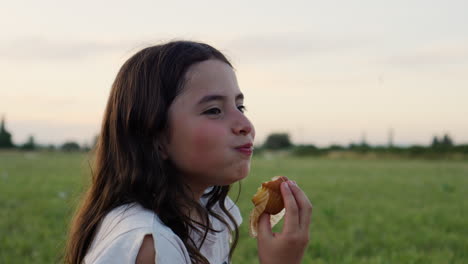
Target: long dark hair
column 127, row 166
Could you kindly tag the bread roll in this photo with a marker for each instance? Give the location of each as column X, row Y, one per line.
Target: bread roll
column 268, row 200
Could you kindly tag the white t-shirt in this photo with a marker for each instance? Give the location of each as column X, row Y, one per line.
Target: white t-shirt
column 121, row 233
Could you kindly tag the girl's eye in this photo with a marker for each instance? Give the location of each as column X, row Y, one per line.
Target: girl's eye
column 216, row 111
column 213, row 111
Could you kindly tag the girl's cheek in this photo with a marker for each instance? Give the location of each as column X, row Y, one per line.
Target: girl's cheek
column 208, row 135
column 202, row 147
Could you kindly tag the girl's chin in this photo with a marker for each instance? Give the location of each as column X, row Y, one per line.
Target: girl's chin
column 237, row 178
column 231, row 178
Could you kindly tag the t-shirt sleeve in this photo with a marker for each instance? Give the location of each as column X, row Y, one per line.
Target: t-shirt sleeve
column 125, row 248
column 170, row 250
column 122, row 249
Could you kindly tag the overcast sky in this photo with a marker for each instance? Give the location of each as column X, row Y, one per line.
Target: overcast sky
column 327, row 72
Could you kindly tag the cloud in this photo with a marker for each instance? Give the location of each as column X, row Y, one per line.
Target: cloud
column 436, row 54
column 291, row 45
column 264, row 47
column 42, row 48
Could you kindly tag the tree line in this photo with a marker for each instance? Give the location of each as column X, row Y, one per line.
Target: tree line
column 31, row 144
column 443, row 147
column 439, row 147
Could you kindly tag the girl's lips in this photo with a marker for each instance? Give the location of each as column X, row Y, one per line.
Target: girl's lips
column 246, row 151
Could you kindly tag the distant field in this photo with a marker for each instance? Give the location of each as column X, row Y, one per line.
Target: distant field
column 365, row 211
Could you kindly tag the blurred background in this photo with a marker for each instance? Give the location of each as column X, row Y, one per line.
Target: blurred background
column 364, row 102
column 330, row 72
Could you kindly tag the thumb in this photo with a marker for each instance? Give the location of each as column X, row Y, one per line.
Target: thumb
column 264, row 227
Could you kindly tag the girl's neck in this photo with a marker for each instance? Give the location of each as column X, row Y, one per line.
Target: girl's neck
column 196, row 191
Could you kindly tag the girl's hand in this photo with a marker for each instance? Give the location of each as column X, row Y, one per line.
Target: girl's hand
column 289, row 245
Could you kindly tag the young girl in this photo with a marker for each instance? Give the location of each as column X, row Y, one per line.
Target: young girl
column 174, row 137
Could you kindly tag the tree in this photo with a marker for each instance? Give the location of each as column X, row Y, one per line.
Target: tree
column 30, row 144
column 443, row 144
column 307, row 150
column 447, row 141
column 5, row 136
column 70, row 146
column 50, row 147
column 277, row 141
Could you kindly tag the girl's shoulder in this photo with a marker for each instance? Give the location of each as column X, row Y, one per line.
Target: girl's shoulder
column 120, row 235
column 129, row 217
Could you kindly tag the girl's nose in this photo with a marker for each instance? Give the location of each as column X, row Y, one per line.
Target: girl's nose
column 242, row 126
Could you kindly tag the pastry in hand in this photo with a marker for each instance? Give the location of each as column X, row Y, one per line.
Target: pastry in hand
column 268, row 200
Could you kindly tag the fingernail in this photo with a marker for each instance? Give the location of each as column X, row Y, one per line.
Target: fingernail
column 291, row 183
column 295, row 183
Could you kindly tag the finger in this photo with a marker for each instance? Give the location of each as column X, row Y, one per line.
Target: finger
column 291, row 221
column 264, row 227
column 304, row 205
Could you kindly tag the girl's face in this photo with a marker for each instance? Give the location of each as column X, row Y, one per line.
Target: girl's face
column 206, row 125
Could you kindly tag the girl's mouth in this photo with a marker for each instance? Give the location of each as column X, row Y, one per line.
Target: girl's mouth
column 247, row 151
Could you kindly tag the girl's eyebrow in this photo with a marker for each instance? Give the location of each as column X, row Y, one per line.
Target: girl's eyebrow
column 216, row 97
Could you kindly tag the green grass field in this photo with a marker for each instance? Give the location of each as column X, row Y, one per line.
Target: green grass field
column 365, row 211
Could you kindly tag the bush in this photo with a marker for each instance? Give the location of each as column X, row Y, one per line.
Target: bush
column 70, row 146
column 278, row 141
column 307, row 150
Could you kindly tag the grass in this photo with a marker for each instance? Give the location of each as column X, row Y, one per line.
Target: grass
column 365, row 211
